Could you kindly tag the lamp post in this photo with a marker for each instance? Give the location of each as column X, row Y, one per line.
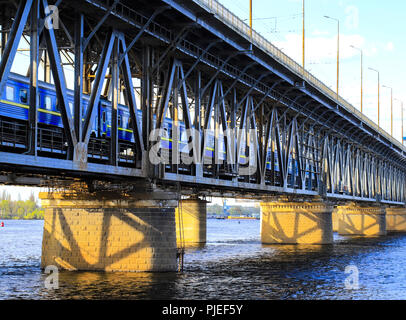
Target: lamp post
column 379, row 102
column 251, row 19
column 391, row 109
column 402, row 112
column 303, row 34
column 338, row 52
column 362, row 74
column 402, row 122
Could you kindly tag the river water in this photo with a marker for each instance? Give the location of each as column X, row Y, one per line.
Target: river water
column 233, row 265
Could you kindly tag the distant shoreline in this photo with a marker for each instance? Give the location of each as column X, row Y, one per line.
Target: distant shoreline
column 19, row 219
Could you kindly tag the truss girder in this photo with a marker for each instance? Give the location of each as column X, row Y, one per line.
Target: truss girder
column 298, row 143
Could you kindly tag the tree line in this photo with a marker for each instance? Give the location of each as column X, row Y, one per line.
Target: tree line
column 20, row 210
column 30, row 210
column 217, row 210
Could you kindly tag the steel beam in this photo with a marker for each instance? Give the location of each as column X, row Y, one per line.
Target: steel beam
column 115, row 81
column 78, row 89
column 140, row 144
column 60, row 84
column 97, row 86
column 34, row 65
column 14, row 37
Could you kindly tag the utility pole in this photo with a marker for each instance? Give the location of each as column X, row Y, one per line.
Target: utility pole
column 402, row 119
column 402, row 123
column 338, row 52
column 379, row 99
column 251, row 20
column 303, row 35
column 362, row 75
column 391, row 109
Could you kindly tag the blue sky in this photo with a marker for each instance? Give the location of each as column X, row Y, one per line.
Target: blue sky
column 377, row 27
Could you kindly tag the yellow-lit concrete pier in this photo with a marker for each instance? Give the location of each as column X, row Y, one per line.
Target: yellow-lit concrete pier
column 396, row 219
column 104, row 232
column 191, row 222
column 284, row 222
column 335, row 220
column 361, row 220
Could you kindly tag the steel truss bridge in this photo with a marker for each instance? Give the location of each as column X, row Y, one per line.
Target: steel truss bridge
column 197, row 63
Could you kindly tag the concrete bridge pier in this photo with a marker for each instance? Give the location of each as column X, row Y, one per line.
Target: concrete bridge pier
column 109, row 232
column 361, row 220
column 191, row 222
column 335, row 220
column 396, row 219
column 284, row 222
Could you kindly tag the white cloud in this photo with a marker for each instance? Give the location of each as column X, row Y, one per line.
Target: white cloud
column 318, row 32
column 389, row 46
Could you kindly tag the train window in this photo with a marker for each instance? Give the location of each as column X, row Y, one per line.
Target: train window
column 165, row 133
column 10, row 93
column 48, row 103
column 23, row 96
column 104, row 117
column 119, row 121
column 183, row 135
column 71, row 108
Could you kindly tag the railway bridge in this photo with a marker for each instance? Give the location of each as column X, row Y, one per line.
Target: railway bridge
column 133, row 114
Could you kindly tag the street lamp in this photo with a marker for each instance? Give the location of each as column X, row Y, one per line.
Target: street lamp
column 338, row 52
column 402, row 111
column 379, row 87
column 303, row 34
column 391, row 109
column 362, row 71
column 251, row 19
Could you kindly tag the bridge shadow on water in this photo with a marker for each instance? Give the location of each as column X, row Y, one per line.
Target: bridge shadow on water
column 346, row 248
column 114, row 285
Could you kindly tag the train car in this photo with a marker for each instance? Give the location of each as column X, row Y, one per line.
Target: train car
column 14, row 104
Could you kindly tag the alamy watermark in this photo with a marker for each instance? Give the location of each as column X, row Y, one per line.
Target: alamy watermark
column 51, row 17
column 352, row 281
column 237, row 147
column 52, row 281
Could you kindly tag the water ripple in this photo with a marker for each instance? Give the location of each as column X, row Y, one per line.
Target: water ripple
column 233, row 265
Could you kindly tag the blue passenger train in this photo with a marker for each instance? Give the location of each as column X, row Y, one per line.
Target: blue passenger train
column 14, row 104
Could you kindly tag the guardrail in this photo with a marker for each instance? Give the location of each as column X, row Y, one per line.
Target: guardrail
column 234, row 22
